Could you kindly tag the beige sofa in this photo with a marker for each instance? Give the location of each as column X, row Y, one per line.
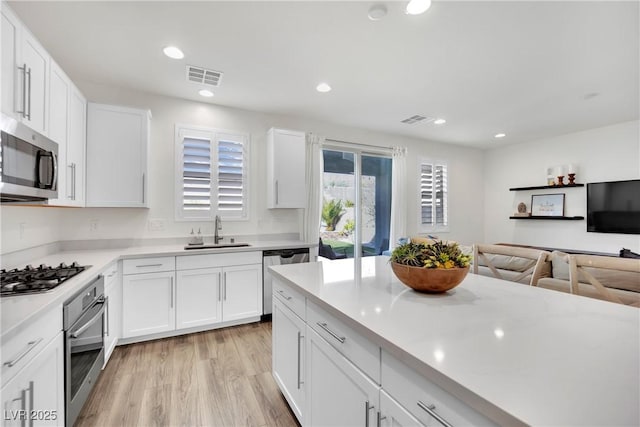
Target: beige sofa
column 619, row 276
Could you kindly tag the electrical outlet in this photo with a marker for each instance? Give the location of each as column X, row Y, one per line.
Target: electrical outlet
column 93, row 224
column 156, row 225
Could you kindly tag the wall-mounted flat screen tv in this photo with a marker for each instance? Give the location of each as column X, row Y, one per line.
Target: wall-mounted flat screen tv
column 614, row 207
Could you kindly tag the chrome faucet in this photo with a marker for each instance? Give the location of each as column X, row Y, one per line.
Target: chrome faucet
column 217, row 226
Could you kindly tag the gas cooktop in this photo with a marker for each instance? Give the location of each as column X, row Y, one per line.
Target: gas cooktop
column 31, row 280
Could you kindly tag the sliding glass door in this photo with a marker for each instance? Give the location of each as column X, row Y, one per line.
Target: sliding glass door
column 356, row 208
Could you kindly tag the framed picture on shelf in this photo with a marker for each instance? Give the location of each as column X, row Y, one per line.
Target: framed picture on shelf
column 547, row 205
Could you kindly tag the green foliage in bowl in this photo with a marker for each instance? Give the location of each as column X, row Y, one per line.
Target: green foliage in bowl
column 436, row 255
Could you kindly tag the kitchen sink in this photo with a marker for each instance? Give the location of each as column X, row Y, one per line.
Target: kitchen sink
column 217, row 246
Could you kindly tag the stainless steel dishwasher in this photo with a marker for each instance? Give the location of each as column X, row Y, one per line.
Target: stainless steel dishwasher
column 277, row 257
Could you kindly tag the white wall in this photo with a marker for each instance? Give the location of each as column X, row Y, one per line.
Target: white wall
column 45, row 225
column 604, row 154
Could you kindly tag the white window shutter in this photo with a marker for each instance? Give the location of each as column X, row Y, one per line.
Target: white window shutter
column 433, row 195
column 196, row 175
column 231, row 193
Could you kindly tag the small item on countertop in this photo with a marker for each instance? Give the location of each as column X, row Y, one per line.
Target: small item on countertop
column 195, row 240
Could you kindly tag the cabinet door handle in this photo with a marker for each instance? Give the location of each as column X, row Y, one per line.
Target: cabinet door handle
column 29, row 92
column 219, row 286
column 324, row 326
column 430, row 409
column 171, row 292
column 281, row 292
column 379, row 420
column 300, row 382
column 30, row 346
column 106, row 320
column 23, row 112
column 143, row 179
column 224, row 286
column 367, row 408
column 148, row 265
column 73, row 183
column 23, row 406
column 277, row 192
column 30, row 414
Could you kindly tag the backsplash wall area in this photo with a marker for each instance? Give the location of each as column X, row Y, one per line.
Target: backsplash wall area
column 46, row 225
column 609, row 153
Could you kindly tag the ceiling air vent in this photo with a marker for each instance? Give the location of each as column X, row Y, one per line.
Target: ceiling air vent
column 203, row 76
column 415, row 119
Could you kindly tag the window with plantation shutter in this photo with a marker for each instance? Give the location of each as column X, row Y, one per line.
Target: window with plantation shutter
column 433, row 196
column 211, row 172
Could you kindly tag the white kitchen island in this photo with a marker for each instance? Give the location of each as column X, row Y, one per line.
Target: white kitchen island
column 514, row 354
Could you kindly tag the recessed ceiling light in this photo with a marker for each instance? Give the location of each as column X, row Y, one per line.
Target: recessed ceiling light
column 173, row 52
column 500, row 135
column 206, row 93
column 439, row 121
column 416, row 7
column 377, row 12
column 323, row 87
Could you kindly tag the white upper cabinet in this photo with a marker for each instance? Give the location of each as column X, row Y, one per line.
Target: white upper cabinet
column 67, row 127
column 25, row 74
column 10, row 27
column 117, row 144
column 286, row 185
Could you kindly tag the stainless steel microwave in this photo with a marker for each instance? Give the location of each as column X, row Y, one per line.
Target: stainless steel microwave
column 28, row 163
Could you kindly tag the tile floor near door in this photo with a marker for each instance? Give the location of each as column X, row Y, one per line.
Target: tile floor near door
column 215, row 378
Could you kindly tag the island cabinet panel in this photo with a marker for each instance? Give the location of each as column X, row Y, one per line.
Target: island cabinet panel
column 360, row 351
column 423, row 399
column 35, row 396
column 288, row 354
column 392, row 414
column 338, row 393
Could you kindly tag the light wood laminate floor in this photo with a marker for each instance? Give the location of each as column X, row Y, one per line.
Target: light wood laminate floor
column 215, row 378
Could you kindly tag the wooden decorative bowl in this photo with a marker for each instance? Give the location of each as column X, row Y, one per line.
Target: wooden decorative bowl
column 430, row 280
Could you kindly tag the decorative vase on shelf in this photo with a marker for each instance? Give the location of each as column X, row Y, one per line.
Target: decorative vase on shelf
column 431, row 268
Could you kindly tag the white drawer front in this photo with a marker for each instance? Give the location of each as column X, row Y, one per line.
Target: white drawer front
column 189, row 262
column 148, row 265
column 290, row 297
column 24, row 346
column 361, row 352
column 419, row 396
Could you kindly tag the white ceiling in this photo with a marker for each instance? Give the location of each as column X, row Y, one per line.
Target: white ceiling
column 522, row 68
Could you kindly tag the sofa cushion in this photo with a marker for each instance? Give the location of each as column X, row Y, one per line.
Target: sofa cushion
column 625, row 280
column 587, row 290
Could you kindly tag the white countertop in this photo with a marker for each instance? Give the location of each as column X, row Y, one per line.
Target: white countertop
column 17, row 312
column 511, row 351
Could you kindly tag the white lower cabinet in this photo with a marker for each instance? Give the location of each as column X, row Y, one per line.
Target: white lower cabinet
column 241, row 292
column 288, row 355
column 392, row 414
column 148, row 303
column 338, row 393
column 198, row 297
column 113, row 291
column 35, row 395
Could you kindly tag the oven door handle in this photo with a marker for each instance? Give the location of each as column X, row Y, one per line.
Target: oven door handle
column 86, row 325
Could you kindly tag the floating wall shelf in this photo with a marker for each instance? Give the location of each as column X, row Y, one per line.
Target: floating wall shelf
column 565, row 218
column 544, row 187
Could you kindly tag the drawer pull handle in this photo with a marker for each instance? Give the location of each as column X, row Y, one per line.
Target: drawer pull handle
column 148, row 265
column 330, row 332
column 30, row 346
column 281, row 292
column 430, row 409
column 367, row 408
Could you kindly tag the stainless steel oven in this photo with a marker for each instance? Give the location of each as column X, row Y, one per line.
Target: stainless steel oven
column 84, row 323
column 28, row 163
